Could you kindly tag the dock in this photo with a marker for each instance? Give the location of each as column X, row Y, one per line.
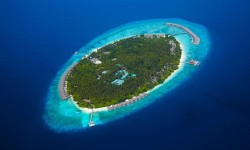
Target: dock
column 91, row 122
column 127, row 102
column 195, row 38
column 193, row 62
column 62, row 87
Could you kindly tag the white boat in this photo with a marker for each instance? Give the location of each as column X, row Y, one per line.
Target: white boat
column 91, row 124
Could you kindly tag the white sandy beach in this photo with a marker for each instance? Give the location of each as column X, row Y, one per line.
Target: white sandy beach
column 181, row 65
column 88, row 110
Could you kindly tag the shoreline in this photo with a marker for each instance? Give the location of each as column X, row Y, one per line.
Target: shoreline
column 88, row 110
column 64, row 116
column 180, row 66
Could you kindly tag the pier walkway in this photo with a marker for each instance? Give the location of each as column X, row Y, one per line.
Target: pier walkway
column 179, row 34
column 91, row 122
column 62, row 84
column 195, row 38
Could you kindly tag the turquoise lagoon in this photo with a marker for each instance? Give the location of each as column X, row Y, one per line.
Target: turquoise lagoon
column 63, row 116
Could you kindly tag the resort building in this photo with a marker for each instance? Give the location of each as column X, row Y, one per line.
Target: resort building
column 95, row 60
column 160, row 35
column 148, row 35
column 173, row 46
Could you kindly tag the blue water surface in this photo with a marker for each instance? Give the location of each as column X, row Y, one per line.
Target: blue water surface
column 209, row 110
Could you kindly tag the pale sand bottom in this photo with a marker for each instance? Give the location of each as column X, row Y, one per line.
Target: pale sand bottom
column 181, row 65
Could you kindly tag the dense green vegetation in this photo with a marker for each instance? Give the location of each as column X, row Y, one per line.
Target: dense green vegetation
column 149, row 59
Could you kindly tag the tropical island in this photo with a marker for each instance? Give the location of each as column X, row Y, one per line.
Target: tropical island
column 135, row 58
column 122, row 71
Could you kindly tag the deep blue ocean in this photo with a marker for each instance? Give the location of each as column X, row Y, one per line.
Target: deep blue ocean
column 209, row 111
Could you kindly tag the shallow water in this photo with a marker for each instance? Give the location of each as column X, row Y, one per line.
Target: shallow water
column 65, row 116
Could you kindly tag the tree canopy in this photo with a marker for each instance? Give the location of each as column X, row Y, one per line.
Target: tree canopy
column 141, row 62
